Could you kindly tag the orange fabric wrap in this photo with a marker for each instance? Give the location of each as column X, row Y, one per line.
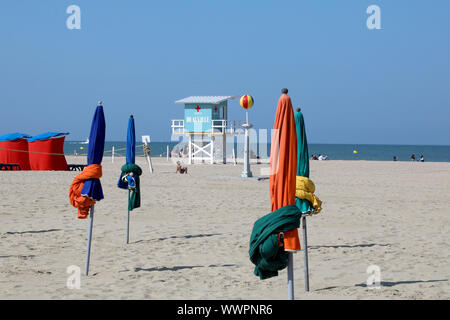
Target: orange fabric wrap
column 83, row 203
column 283, row 165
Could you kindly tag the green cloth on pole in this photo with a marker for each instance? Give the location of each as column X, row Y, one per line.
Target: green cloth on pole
column 135, row 197
column 265, row 252
column 302, row 159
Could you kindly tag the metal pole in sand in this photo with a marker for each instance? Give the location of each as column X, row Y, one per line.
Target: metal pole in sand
column 88, row 251
column 112, row 157
column 128, row 217
column 290, row 276
column 246, row 173
column 167, row 153
column 305, row 249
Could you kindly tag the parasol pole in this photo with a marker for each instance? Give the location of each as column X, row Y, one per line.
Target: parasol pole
column 88, row 251
column 290, row 275
column 305, row 244
column 128, row 216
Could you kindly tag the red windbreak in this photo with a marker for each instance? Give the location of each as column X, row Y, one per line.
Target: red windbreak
column 48, row 154
column 8, row 153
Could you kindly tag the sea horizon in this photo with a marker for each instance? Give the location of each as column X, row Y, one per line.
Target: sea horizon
column 334, row 151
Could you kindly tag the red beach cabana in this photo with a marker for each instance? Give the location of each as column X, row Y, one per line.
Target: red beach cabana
column 14, row 150
column 46, row 151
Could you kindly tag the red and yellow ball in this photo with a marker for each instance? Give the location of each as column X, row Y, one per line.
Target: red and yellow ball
column 246, row 101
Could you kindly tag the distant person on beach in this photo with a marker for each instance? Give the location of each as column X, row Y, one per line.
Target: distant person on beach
column 395, row 158
column 422, row 158
column 413, row 157
column 313, row 157
column 181, row 169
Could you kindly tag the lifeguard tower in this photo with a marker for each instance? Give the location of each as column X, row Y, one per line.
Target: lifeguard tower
column 205, row 123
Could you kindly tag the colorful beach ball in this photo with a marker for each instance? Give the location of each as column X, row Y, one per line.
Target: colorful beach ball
column 246, row 101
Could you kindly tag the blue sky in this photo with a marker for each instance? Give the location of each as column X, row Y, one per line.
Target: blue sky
column 355, row 85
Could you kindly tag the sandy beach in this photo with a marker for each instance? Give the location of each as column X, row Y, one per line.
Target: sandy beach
column 190, row 238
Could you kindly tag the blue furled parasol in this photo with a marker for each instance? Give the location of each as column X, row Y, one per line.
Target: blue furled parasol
column 129, row 177
column 131, row 142
column 92, row 188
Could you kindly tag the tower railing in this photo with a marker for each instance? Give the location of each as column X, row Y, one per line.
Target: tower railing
column 178, row 126
column 218, row 126
column 226, row 126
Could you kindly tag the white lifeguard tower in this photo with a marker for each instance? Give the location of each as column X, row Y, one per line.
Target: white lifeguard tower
column 205, row 123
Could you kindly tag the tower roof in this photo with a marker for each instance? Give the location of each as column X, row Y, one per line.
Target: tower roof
column 205, row 99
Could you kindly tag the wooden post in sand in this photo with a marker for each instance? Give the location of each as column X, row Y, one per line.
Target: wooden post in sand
column 146, row 141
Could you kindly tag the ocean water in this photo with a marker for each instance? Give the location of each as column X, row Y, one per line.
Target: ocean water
column 381, row 152
column 333, row 151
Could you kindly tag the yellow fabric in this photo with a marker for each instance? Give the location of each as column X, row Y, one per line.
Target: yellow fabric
column 304, row 189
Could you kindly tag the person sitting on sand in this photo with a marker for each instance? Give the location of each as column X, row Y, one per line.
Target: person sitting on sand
column 395, row 158
column 413, row 157
column 181, row 169
column 422, row 158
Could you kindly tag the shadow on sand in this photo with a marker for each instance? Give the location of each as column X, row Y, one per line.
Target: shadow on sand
column 176, row 268
column 364, row 245
column 396, row 283
column 181, row 237
column 383, row 284
column 31, row 231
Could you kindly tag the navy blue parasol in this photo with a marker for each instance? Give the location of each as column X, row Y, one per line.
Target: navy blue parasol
column 131, row 142
column 92, row 188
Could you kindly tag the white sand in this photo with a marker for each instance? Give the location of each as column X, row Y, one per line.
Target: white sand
column 190, row 239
